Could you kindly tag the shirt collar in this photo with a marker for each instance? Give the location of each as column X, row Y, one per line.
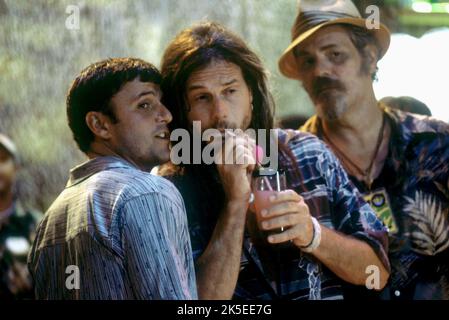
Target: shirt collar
column 400, row 134
column 95, row 165
column 311, row 126
column 314, row 126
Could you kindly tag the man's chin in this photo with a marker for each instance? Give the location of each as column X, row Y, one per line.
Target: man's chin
column 330, row 111
column 163, row 158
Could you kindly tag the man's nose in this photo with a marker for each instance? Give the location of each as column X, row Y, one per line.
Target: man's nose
column 322, row 68
column 164, row 115
column 221, row 108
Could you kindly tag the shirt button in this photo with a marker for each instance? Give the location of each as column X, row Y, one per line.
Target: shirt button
column 397, row 293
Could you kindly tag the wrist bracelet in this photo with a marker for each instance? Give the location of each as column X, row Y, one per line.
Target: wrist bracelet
column 316, row 238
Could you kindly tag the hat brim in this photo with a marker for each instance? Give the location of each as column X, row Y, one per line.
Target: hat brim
column 287, row 62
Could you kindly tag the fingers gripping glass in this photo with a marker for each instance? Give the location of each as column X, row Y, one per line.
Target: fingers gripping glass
column 265, row 183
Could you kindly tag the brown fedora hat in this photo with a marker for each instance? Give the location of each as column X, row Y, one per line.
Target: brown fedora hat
column 316, row 14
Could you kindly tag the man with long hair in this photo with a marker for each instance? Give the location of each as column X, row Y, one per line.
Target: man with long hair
column 331, row 235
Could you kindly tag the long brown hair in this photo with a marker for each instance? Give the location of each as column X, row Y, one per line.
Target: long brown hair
column 196, row 47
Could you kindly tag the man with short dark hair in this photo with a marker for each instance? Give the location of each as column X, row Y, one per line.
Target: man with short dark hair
column 116, row 231
column 399, row 161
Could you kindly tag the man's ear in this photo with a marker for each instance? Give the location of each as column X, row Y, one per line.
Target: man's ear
column 373, row 56
column 99, row 124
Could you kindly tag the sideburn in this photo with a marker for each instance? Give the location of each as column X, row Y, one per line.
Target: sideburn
column 366, row 62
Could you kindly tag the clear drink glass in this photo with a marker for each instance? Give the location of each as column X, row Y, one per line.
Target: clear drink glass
column 265, row 183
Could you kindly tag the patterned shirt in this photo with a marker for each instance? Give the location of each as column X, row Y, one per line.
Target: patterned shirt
column 273, row 272
column 115, row 232
column 416, row 179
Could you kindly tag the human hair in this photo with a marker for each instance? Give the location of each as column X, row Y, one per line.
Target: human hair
column 94, row 87
column 195, row 48
column 361, row 38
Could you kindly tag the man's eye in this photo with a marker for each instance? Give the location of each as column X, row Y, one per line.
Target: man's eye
column 201, row 98
column 145, row 105
column 231, row 90
column 306, row 63
column 337, row 56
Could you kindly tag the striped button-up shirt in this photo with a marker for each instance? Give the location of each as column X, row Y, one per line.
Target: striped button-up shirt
column 115, row 232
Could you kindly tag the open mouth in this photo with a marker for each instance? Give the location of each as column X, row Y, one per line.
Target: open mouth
column 165, row 135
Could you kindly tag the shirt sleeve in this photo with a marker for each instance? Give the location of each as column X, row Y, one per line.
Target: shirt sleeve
column 352, row 215
column 157, row 250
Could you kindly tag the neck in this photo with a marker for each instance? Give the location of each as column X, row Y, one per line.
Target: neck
column 360, row 141
column 102, row 150
column 359, row 127
column 6, row 200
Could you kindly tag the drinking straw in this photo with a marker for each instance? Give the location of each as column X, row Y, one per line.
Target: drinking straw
column 278, row 181
column 268, row 183
column 258, row 154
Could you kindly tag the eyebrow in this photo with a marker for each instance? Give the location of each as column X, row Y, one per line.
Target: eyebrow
column 299, row 53
column 195, row 87
column 144, row 93
column 332, row 45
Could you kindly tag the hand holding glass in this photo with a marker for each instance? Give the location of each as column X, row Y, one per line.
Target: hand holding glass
column 266, row 183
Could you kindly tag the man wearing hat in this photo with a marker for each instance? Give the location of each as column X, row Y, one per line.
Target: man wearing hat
column 399, row 161
column 17, row 227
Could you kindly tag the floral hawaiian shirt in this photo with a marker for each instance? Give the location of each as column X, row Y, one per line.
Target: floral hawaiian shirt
column 415, row 177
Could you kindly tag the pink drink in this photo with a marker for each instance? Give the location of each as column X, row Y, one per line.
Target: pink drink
column 266, row 182
column 262, row 201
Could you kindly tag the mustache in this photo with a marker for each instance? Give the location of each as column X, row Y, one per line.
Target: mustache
column 223, row 125
column 323, row 83
column 163, row 127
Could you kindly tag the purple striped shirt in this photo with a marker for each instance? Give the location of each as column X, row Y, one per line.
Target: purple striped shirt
column 115, row 232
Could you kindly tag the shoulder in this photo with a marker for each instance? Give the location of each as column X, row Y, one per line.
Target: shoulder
column 128, row 183
column 422, row 139
column 303, row 145
column 415, row 124
column 112, row 193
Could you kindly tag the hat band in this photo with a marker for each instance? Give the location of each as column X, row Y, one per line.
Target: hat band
column 310, row 19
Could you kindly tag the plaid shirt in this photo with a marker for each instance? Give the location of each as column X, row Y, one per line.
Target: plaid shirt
column 269, row 272
column 416, row 178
